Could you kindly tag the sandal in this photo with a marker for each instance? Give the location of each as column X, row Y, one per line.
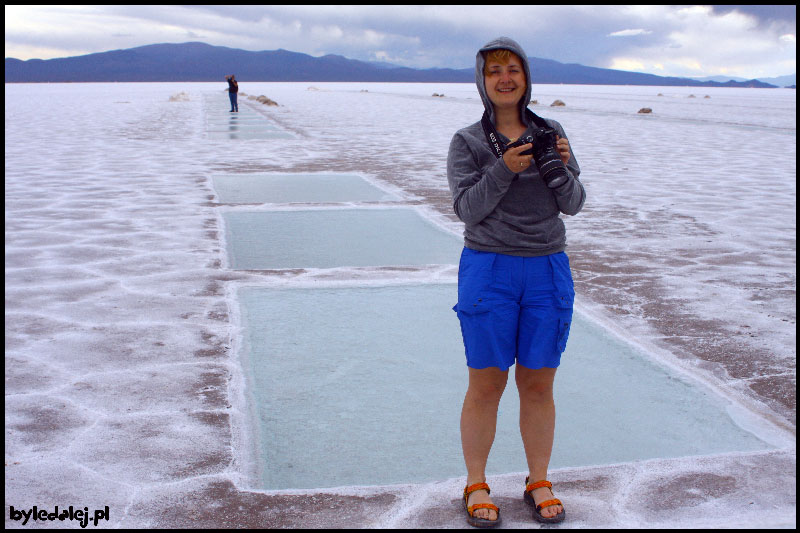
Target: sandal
column 474, row 520
column 537, row 509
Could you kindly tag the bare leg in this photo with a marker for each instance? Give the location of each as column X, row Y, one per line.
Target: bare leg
column 537, row 422
column 478, row 424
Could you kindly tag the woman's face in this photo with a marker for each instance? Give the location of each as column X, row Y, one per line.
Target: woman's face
column 505, row 82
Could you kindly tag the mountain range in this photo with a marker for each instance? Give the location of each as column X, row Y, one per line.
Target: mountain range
column 203, row 62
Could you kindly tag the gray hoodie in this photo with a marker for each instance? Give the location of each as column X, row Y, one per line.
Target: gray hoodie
column 506, row 212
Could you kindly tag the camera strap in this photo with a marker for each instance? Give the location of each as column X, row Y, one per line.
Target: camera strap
column 492, row 136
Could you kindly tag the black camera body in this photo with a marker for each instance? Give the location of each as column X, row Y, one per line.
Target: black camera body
column 528, row 139
column 551, row 168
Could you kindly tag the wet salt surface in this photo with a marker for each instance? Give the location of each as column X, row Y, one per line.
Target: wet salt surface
column 122, row 388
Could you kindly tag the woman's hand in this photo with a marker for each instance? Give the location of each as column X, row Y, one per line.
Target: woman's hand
column 514, row 161
column 562, row 147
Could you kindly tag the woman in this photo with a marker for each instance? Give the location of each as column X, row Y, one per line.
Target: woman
column 515, row 290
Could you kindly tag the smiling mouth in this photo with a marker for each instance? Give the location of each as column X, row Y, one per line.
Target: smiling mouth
column 507, row 90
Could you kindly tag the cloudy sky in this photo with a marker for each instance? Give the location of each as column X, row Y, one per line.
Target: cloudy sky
column 742, row 41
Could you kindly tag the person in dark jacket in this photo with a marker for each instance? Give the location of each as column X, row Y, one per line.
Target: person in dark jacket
column 515, row 288
column 233, row 92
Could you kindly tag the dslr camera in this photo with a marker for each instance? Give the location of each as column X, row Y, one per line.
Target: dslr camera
column 551, row 168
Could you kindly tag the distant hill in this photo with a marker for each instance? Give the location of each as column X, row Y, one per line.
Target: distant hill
column 203, row 62
column 780, row 81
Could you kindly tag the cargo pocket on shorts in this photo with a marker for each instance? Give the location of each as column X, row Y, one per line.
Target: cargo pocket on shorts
column 475, row 276
column 565, row 298
column 564, row 295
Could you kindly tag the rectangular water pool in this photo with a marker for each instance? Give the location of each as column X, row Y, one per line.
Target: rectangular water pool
column 329, row 238
column 287, row 188
column 249, row 134
column 245, row 124
column 364, row 385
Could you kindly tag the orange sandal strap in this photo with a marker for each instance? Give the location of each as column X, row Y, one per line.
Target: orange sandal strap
column 477, row 486
column 472, row 488
column 539, row 484
column 548, row 503
column 493, row 507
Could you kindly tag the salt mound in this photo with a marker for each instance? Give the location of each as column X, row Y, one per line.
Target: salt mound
column 266, row 101
column 557, row 103
column 180, row 97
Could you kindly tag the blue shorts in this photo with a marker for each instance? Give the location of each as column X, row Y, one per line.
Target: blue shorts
column 514, row 308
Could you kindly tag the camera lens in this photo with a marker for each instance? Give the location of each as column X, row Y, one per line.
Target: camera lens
column 551, row 168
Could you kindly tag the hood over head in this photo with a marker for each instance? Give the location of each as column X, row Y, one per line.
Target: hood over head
column 506, row 44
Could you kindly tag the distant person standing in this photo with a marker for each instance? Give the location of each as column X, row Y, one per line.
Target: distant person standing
column 233, row 92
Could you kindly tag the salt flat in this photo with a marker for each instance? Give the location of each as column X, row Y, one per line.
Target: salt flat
column 122, row 382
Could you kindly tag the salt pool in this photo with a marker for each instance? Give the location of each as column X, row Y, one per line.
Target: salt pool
column 287, row 188
column 246, row 124
column 246, row 135
column 329, row 238
column 363, row 386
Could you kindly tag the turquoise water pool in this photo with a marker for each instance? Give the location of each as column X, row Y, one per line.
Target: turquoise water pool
column 328, row 238
column 363, row 386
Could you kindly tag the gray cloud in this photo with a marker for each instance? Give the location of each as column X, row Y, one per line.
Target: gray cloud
column 667, row 40
column 764, row 14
